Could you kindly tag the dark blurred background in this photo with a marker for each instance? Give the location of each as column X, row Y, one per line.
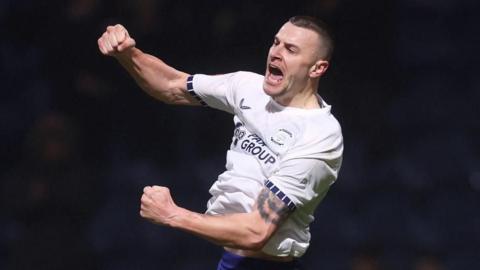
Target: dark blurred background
column 79, row 139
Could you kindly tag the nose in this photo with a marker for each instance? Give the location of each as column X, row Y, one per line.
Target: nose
column 275, row 52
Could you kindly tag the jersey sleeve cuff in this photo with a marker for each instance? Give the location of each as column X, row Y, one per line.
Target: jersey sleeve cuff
column 282, row 196
column 191, row 91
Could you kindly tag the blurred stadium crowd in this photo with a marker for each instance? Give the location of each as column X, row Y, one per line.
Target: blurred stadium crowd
column 80, row 140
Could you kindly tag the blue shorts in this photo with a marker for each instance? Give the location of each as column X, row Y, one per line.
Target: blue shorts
column 232, row 261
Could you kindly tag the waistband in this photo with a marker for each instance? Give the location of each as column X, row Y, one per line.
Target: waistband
column 231, row 261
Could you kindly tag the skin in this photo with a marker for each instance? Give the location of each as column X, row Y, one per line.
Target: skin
column 242, row 231
column 295, row 53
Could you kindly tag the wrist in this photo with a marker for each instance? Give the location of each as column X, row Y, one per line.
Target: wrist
column 127, row 54
column 179, row 218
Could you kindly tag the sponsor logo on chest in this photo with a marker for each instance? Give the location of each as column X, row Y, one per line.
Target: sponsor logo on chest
column 252, row 144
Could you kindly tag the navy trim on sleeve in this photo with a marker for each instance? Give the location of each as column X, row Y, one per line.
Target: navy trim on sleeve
column 192, row 92
column 282, row 196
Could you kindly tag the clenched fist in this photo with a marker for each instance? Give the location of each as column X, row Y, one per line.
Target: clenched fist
column 115, row 40
column 157, row 205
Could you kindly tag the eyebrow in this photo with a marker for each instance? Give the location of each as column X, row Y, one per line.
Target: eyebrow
column 288, row 45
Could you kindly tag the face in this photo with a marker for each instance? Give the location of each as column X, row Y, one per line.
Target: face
column 291, row 60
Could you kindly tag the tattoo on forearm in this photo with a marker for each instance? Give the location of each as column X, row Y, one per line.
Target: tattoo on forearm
column 271, row 208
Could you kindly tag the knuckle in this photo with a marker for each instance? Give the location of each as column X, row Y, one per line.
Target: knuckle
column 162, row 190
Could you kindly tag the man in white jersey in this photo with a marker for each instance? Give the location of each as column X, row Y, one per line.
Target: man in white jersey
column 286, row 149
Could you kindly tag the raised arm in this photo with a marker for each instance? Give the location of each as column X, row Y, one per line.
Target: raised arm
column 155, row 77
column 248, row 231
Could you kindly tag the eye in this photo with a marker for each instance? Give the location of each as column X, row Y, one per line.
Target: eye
column 275, row 42
column 291, row 49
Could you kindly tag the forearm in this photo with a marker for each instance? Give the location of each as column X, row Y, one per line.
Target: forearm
column 248, row 231
column 154, row 76
column 241, row 231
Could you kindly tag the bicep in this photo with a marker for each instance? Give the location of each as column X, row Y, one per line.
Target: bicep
column 178, row 93
column 270, row 212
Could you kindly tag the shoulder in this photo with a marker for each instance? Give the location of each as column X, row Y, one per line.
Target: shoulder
column 325, row 126
column 321, row 138
column 234, row 76
column 246, row 77
column 246, row 84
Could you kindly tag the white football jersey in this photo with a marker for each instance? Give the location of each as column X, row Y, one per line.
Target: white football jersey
column 294, row 152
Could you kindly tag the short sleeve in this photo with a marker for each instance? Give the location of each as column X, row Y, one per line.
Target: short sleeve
column 301, row 181
column 213, row 91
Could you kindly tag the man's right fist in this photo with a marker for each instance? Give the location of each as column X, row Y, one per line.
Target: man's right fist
column 115, row 40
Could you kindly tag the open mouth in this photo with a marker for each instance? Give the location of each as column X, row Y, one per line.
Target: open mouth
column 275, row 74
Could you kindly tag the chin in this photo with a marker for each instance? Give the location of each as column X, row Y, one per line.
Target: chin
column 267, row 90
column 271, row 90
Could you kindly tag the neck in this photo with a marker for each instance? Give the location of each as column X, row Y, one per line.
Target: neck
column 305, row 98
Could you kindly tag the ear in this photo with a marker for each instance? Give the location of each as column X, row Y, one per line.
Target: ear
column 319, row 68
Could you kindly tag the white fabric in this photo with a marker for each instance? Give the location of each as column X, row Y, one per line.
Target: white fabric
column 298, row 150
